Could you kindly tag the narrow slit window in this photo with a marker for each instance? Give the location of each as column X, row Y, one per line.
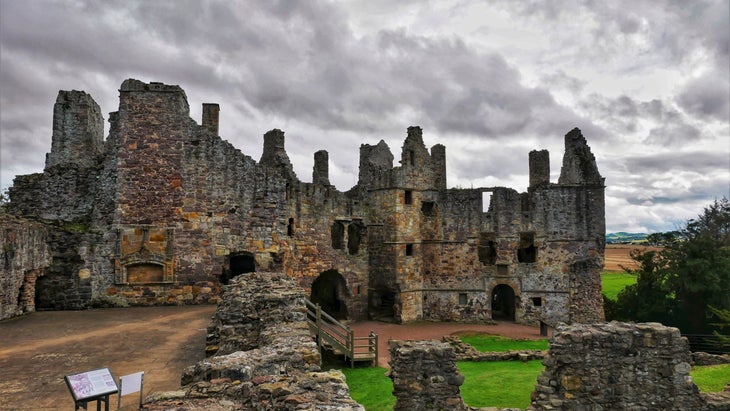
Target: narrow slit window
column 409, row 249
column 408, row 199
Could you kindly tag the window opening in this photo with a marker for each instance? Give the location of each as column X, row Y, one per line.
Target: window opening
column 527, row 253
column 537, row 301
column 409, row 197
column 409, row 249
column 338, row 235
column 237, row 264
column 462, row 299
column 487, row 249
column 354, row 235
column 290, row 227
column 486, row 201
column 428, row 208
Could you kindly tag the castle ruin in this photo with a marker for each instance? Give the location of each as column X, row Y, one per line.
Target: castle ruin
column 164, row 211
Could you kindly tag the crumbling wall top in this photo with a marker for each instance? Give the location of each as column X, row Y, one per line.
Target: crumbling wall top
column 78, row 130
column 579, row 164
column 274, row 154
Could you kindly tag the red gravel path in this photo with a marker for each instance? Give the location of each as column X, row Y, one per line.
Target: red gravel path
column 434, row 331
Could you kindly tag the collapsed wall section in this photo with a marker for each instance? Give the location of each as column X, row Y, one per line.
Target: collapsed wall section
column 264, row 357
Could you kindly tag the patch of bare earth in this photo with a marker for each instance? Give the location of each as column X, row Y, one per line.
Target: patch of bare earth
column 619, row 255
column 37, row 350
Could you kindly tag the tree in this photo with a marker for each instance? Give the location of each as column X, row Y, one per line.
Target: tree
column 698, row 266
column 647, row 300
column 676, row 285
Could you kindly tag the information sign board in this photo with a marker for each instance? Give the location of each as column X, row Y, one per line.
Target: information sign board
column 91, row 384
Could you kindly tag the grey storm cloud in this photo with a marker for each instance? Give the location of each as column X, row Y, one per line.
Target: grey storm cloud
column 700, row 162
column 334, row 75
column 707, row 96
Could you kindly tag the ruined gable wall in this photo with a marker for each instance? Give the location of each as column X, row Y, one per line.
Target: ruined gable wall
column 65, row 190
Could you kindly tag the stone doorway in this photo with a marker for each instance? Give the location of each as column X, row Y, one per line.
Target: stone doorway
column 329, row 290
column 237, row 264
column 383, row 305
column 503, row 303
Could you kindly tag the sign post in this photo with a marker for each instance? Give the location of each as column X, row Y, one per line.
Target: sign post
column 94, row 385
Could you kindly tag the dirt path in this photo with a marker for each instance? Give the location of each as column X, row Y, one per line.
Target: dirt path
column 38, row 349
column 434, row 331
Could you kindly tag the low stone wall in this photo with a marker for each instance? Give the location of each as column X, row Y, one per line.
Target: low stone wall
column 263, row 357
column 620, row 366
column 425, row 376
column 24, row 256
column 703, row 358
column 203, row 292
column 466, row 352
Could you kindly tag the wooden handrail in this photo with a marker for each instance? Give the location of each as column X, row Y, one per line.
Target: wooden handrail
column 340, row 337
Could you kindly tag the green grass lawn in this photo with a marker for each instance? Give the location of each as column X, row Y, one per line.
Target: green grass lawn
column 488, row 343
column 614, row 282
column 506, row 384
column 371, row 388
column 493, row 384
column 711, row 378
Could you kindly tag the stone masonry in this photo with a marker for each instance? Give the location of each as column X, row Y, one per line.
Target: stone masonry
column 24, row 256
column 263, row 356
column 425, row 376
column 620, row 366
column 614, row 366
column 164, row 211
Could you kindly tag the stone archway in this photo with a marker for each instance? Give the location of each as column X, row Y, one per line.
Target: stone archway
column 329, row 290
column 237, row 264
column 503, row 303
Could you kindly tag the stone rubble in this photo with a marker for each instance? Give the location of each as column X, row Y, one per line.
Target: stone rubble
column 263, row 357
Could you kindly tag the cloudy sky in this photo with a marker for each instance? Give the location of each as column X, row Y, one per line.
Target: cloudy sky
column 647, row 82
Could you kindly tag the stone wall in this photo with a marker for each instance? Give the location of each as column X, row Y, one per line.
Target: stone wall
column 398, row 246
column 24, row 257
column 425, row 376
column 620, row 366
column 263, row 356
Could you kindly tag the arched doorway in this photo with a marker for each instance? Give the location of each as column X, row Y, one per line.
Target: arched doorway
column 329, row 290
column 237, row 264
column 503, row 303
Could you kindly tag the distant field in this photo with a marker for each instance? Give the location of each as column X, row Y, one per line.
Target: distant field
column 613, row 282
column 618, row 255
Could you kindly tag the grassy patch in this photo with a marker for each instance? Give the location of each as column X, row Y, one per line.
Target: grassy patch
column 711, row 378
column 488, row 343
column 371, row 388
column 500, row 383
column 613, row 283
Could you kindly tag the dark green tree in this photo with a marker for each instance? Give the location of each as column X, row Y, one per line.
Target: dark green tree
column 697, row 267
column 647, row 300
column 676, row 285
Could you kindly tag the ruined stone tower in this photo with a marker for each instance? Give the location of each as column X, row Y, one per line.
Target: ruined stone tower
column 166, row 212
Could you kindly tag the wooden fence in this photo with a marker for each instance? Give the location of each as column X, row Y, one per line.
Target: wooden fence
column 339, row 338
